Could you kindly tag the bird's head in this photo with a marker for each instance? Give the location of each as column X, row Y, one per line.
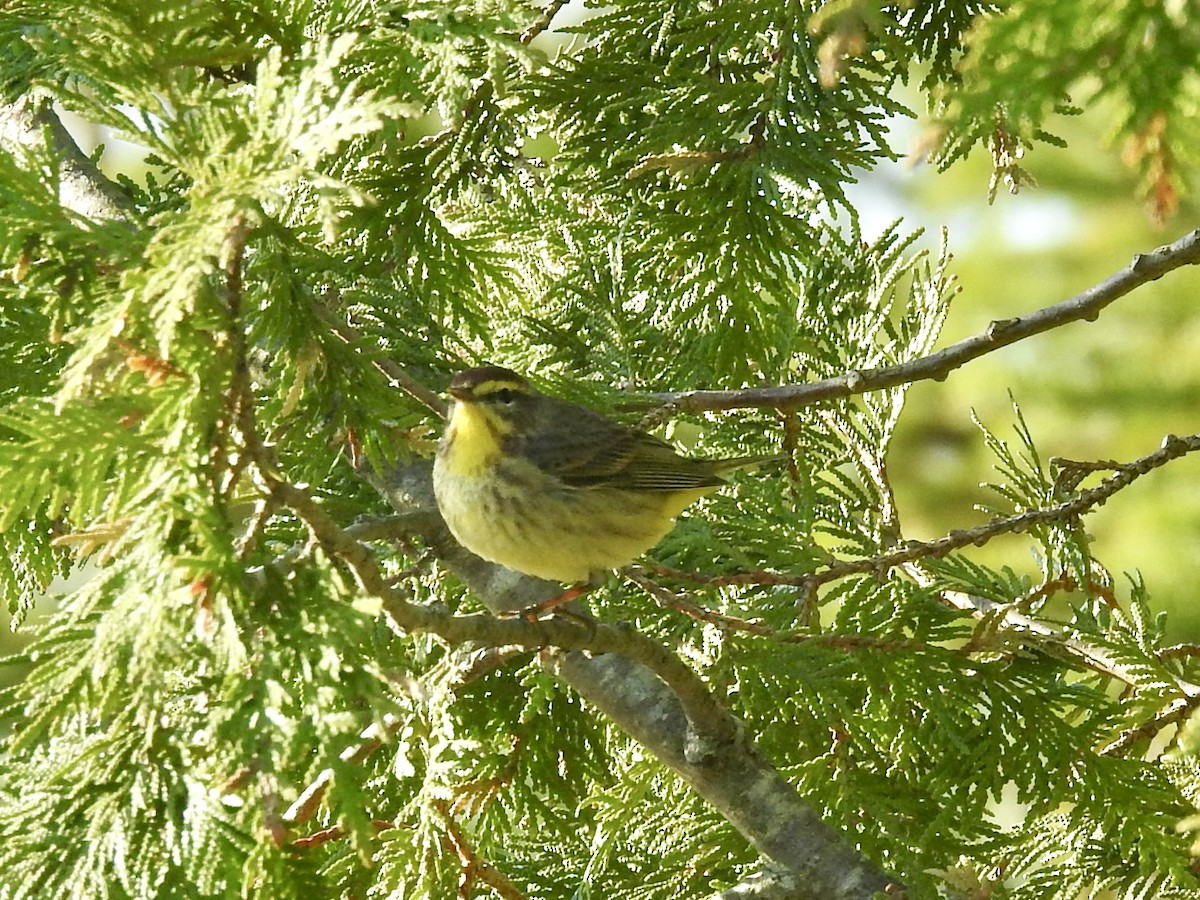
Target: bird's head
column 491, row 404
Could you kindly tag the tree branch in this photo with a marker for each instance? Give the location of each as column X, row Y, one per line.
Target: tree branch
column 645, row 689
column 1172, row 448
column 909, row 555
column 567, row 632
column 542, row 22
column 30, row 122
column 392, row 370
column 1086, row 305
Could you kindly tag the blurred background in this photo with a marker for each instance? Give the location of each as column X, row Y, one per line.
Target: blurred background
column 1110, row 389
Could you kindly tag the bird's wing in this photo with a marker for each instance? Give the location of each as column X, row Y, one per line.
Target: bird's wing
column 597, row 452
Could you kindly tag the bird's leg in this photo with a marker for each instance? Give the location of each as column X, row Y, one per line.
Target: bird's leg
column 533, row 613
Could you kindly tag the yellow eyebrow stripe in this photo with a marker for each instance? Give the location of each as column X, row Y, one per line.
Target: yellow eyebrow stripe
column 490, row 387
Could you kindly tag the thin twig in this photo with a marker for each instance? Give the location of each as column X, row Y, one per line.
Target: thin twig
column 239, row 399
column 686, row 160
column 681, row 603
column 1086, row 305
column 393, row 370
column 474, row 866
column 371, row 738
column 911, row 551
column 1172, row 448
column 542, row 23
column 1176, row 710
column 263, row 510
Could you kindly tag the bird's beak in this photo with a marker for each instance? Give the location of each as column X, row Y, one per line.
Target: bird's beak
column 459, row 393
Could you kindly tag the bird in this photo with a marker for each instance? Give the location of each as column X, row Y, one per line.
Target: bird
column 554, row 489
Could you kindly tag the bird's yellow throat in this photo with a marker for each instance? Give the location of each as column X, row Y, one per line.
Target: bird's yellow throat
column 472, row 439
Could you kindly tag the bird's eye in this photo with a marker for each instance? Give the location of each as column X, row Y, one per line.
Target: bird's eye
column 505, row 395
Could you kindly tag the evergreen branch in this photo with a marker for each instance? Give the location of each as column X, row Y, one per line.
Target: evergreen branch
column 485, row 89
column 1177, row 710
column 472, row 665
column 1172, row 447
column 684, row 160
column 474, row 866
column 1093, row 657
column 705, row 714
column 1086, row 305
column 1090, row 655
column 392, row 370
column 371, row 738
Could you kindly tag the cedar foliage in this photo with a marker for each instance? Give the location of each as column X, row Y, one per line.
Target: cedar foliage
column 660, row 204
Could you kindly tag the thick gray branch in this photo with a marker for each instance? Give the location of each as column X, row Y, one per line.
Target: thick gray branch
column 29, row 122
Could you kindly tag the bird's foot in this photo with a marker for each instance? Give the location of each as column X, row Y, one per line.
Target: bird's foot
column 535, row 612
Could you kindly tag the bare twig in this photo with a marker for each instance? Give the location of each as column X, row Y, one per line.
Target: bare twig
column 1086, row 305
column 542, row 22
column 393, row 370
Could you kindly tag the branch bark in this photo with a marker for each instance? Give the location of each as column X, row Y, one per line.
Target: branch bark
column 30, row 122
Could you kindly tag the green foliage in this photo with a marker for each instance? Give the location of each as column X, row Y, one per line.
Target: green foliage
column 1042, row 58
column 659, row 204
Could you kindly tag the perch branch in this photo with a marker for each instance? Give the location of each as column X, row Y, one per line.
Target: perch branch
column 732, row 776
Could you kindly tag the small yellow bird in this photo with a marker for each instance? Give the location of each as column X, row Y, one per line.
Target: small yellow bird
column 553, row 489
